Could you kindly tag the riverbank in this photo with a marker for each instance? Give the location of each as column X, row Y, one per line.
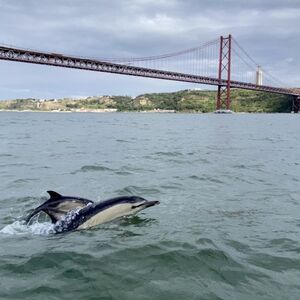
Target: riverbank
column 89, row 111
column 189, row 101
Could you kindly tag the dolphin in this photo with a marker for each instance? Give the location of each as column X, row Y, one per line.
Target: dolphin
column 58, row 206
column 69, row 213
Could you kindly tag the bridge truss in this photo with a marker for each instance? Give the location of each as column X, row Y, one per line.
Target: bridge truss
column 195, row 65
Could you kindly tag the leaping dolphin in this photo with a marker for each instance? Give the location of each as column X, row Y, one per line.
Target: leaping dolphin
column 72, row 213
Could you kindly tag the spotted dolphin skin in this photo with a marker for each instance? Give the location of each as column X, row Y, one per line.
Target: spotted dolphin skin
column 72, row 213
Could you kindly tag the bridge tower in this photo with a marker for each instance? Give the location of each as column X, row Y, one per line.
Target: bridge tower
column 296, row 104
column 223, row 96
column 259, row 76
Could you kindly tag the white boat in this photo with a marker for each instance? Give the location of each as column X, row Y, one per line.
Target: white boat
column 223, row 111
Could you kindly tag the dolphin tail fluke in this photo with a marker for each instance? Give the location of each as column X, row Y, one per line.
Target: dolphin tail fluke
column 33, row 213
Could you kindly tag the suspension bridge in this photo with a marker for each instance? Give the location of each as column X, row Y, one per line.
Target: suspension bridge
column 221, row 62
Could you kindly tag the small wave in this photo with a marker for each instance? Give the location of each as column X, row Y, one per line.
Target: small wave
column 15, row 165
column 136, row 190
column 274, row 262
column 171, row 186
column 191, row 153
column 195, row 177
column 205, row 178
column 256, row 167
column 23, row 181
column 137, row 221
column 21, row 228
column 62, row 141
column 131, row 170
column 5, row 155
column 122, row 141
column 123, row 173
column 161, row 153
column 202, row 161
column 284, row 245
column 92, row 168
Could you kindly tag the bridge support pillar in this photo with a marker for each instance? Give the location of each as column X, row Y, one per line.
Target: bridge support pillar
column 296, row 104
column 223, row 96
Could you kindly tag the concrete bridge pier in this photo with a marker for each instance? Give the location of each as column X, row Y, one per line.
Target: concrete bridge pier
column 296, row 104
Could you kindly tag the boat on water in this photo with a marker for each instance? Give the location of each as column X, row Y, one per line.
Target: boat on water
column 223, row 111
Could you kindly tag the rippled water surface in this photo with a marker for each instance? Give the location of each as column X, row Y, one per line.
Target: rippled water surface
column 227, row 226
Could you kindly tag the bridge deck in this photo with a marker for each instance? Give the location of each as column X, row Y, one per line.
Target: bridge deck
column 59, row 60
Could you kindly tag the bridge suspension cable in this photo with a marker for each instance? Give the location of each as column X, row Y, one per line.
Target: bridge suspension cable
column 203, row 60
column 199, row 60
column 219, row 62
column 250, row 74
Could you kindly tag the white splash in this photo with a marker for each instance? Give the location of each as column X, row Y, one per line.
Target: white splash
column 21, row 228
column 63, row 224
column 40, row 228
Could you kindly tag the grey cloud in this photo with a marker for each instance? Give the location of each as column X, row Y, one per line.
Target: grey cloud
column 269, row 30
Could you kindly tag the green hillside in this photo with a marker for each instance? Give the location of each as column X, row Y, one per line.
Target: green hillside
column 181, row 101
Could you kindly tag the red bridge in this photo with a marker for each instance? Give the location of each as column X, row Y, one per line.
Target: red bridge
column 221, row 62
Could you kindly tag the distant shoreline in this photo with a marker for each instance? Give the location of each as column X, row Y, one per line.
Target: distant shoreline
column 105, row 111
column 134, row 112
column 185, row 101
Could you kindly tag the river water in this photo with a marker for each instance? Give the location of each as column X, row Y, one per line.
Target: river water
column 227, row 226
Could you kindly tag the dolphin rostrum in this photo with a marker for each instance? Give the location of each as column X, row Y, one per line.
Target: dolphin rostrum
column 72, row 213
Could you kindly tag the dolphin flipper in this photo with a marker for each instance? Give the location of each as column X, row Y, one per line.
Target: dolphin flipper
column 58, row 206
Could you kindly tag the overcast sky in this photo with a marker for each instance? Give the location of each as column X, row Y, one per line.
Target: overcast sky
column 268, row 29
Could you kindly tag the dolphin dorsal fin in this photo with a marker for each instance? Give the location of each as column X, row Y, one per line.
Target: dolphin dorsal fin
column 54, row 195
